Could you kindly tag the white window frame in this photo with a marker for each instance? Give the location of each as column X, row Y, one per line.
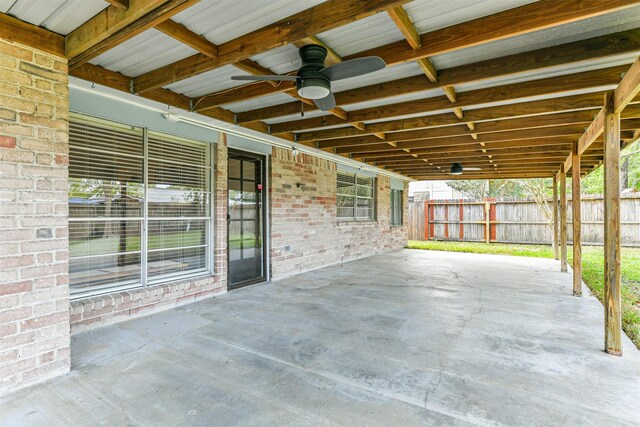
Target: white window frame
column 399, row 201
column 144, row 280
column 355, row 197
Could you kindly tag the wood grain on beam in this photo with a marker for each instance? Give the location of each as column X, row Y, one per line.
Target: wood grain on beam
column 113, row 26
column 317, row 19
column 628, row 87
column 590, row 101
column 521, row 20
column 597, row 47
column 18, row 31
column 120, row 4
column 428, row 68
column 404, row 24
column 188, row 37
column 593, row 132
column 547, row 86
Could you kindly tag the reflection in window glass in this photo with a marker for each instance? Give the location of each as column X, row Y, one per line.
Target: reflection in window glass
column 107, row 205
column 355, row 197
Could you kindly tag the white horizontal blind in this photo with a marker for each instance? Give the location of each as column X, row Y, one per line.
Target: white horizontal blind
column 179, row 207
column 355, row 196
column 106, row 188
column 139, row 206
column 396, row 207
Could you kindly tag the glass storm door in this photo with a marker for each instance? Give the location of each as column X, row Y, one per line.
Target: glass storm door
column 245, row 219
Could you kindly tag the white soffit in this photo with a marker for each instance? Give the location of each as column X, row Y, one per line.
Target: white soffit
column 59, row 16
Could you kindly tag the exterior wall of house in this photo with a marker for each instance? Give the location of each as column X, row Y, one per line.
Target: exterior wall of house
column 34, row 291
column 97, row 311
column 305, row 231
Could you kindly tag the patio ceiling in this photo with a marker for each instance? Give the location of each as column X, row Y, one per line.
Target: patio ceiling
column 505, row 86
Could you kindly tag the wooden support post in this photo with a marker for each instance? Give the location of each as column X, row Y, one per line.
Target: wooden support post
column 487, row 225
column 612, row 295
column 493, row 217
column 563, row 219
column 577, row 221
column 461, row 218
column 554, row 238
column 426, row 220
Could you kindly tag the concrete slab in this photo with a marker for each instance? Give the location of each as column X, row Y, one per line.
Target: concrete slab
column 407, row 338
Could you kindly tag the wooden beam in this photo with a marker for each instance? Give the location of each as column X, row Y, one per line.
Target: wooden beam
column 428, row 68
column 597, row 47
column 520, row 20
column 519, row 123
column 15, row 30
column 568, row 162
column 450, row 93
column 563, row 219
column 554, row 232
column 593, row 132
column 612, row 278
column 188, row 37
column 577, row 222
column 317, row 19
column 404, row 24
column 120, row 4
column 113, row 26
column 546, row 86
column 628, row 87
column 591, row 101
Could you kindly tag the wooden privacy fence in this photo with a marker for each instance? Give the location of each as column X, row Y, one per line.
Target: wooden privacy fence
column 515, row 221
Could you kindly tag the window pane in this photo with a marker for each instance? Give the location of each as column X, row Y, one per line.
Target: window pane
column 167, row 234
column 106, row 192
column 104, row 271
column 176, row 261
column 365, row 191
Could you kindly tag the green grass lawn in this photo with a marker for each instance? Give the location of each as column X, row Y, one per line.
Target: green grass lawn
column 592, row 271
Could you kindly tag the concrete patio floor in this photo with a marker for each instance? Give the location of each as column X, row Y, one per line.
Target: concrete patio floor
column 407, row 338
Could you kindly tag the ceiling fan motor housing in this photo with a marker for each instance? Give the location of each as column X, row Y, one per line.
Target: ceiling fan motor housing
column 312, row 84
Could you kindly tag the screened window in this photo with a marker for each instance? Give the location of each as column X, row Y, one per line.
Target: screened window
column 139, row 206
column 355, row 196
column 396, row 207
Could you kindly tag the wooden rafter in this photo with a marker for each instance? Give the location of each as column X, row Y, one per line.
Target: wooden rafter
column 114, row 25
column 15, row 30
column 520, row 20
column 594, row 48
column 323, row 17
column 547, row 86
column 120, row 4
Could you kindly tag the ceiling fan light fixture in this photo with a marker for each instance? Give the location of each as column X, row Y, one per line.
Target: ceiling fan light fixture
column 456, row 169
column 314, row 88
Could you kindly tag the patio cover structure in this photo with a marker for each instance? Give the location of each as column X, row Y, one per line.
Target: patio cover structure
column 520, row 89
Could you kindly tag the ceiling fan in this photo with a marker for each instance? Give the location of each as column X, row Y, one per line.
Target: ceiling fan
column 456, row 169
column 313, row 79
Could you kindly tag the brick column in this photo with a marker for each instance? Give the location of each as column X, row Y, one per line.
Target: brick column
column 34, row 291
column 221, row 203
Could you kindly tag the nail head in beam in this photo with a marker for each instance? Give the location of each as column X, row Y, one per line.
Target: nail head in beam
column 612, row 278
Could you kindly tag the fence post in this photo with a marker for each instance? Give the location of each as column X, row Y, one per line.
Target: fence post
column 461, row 215
column 426, row 220
column 446, row 220
column 487, row 224
column 432, row 218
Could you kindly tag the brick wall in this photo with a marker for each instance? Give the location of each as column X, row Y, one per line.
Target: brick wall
column 305, row 232
column 34, row 292
column 102, row 310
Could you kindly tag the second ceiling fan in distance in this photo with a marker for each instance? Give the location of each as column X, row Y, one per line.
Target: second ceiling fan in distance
column 313, row 80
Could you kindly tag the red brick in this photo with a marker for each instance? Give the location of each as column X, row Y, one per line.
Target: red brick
column 7, row 141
